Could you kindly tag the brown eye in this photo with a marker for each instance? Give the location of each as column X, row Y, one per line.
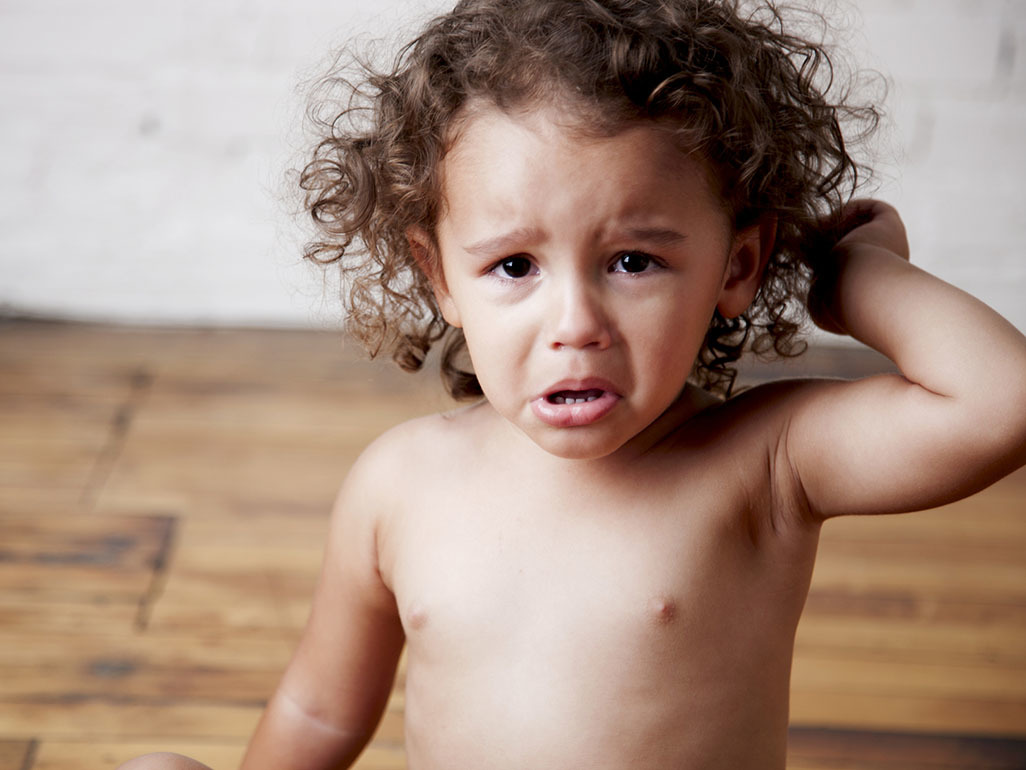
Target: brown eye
column 632, row 262
column 515, row 267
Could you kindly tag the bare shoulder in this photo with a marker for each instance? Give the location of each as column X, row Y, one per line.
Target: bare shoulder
column 414, row 443
column 409, row 457
column 395, row 481
column 750, row 434
column 390, row 478
column 759, row 416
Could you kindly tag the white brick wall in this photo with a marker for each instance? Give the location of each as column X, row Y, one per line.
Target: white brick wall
column 958, row 104
column 142, row 155
column 142, row 149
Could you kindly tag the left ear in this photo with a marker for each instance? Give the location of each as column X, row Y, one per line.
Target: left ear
column 749, row 253
column 425, row 254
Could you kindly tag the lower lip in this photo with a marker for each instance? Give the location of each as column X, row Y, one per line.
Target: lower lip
column 574, row 415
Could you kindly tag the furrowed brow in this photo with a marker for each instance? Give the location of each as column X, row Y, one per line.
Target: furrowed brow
column 658, row 236
column 504, row 243
column 514, row 240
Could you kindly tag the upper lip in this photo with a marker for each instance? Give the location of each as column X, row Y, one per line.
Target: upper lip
column 586, row 383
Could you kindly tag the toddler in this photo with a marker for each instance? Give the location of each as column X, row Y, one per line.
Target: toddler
column 600, row 562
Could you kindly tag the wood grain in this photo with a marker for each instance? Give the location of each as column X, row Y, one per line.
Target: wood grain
column 163, row 503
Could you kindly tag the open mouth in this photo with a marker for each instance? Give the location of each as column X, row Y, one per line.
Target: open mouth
column 576, row 406
column 575, row 396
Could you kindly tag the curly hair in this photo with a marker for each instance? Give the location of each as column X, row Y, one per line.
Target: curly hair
column 743, row 91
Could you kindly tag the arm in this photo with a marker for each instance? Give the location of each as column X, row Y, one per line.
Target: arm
column 337, row 685
column 953, row 422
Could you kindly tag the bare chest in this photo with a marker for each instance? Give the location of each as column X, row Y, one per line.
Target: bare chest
column 599, row 577
column 659, row 633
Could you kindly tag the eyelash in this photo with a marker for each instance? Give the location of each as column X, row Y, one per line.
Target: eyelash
column 650, row 263
column 497, row 269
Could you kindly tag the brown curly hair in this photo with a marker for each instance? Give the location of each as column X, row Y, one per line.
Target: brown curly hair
column 747, row 94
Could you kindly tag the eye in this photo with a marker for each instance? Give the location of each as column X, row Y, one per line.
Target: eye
column 631, row 262
column 514, row 267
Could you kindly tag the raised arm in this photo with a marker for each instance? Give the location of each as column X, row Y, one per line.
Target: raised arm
column 336, row 687
column 953, row 422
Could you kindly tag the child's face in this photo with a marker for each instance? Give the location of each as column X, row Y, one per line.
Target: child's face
column 584, row 273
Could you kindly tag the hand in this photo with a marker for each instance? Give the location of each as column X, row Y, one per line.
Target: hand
column 861, row 224
column 873, row 223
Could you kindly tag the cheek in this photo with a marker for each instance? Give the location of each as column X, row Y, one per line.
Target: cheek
column 669, row 340
column 675, row 317
column 493, row 345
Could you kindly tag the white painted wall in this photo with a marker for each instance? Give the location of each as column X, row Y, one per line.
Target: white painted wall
column 143, row 149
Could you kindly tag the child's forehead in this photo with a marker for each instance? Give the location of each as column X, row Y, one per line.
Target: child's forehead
column 491, row 140
column 506, row 170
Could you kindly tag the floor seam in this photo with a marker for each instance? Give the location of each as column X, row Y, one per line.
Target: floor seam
column 29, row 760
column 141, row 382
column 159, row 577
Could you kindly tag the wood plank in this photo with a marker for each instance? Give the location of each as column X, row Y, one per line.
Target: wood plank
column 913, row 623
column 17, row 755
column 988, row 519
column 878, row 750
column 103, row 719
column 129, row 665
column 886, row 677
column 154, row 720
column 883, row 710
column 997, row 644
column 169, row 465
column 999, row 580
column 235, row 602
column 265, row 587
column 21, row 615
column 133, row 543
column 84, row 557
column 58, row 417
column 341, row 404
column 32, row 460
column 72, row 362
column 903, row 602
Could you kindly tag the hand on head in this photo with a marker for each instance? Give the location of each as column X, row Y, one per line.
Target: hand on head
column 875, row 223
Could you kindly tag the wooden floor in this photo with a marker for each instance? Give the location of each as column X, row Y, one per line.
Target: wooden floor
column 163, row 502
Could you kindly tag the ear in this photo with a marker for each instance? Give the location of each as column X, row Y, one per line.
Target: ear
column 425, row 254
column 749, row 253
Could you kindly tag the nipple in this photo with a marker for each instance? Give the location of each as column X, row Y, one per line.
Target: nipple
column 417, row 617
column 663, row 609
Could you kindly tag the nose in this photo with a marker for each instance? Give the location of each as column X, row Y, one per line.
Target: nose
column 580, row 319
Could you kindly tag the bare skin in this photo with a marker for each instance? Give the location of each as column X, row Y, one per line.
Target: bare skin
column 624, row 592
column 635, row 614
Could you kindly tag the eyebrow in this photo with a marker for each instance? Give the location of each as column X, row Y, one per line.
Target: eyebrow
column 657, row 236
column 504, row 242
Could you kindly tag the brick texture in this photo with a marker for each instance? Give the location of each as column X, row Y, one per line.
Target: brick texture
column 143, row 148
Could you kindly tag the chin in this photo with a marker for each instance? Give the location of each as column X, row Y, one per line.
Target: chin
column 577, row 444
